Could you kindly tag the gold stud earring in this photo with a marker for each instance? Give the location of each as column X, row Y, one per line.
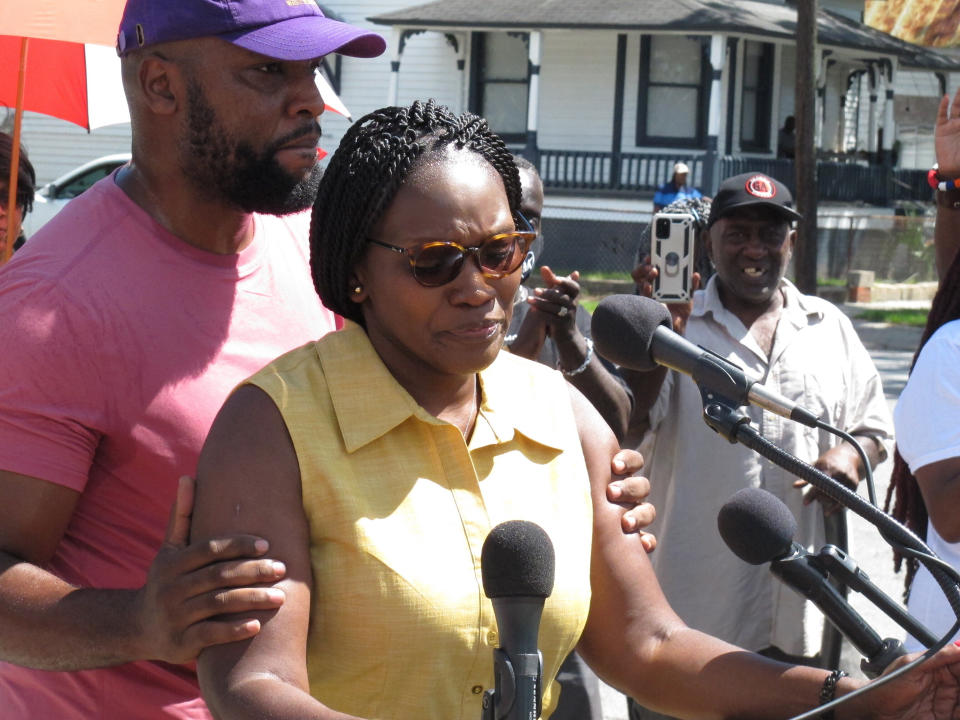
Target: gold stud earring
column 357, row 289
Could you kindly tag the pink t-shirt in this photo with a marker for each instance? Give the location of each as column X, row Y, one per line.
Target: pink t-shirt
column 120, row 344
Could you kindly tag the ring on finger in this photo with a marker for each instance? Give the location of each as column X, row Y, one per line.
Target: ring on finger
column 563, row 311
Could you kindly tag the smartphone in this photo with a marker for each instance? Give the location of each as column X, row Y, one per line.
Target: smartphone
column 672, row 253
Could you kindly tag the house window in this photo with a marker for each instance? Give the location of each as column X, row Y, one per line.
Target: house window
column 501, row 82
column 674, row 72
column 757, row 95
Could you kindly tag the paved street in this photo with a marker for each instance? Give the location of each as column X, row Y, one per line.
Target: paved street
column 892, row 349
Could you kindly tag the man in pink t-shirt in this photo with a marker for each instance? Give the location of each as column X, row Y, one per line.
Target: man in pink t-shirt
column 126, row 322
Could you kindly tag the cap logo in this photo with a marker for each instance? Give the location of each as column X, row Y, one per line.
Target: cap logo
column 761, row 187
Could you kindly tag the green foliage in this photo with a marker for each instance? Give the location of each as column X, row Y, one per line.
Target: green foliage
column 917, row 318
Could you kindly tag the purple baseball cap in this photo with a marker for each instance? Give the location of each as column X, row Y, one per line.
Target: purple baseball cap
column 279, row 29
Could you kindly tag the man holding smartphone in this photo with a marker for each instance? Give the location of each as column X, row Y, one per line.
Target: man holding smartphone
column 801, row 347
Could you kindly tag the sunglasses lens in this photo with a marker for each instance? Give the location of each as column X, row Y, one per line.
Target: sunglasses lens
column 437, row 264
column 501, row 255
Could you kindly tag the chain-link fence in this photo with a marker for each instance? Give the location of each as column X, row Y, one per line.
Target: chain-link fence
column 897, row 248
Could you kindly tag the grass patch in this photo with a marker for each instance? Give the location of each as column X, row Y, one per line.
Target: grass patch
column 832, row 282
column 916, row 318
column 592, row 274
column 590, row 305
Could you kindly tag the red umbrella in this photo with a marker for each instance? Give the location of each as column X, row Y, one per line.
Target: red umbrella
column 76, row 22
column 72, row 81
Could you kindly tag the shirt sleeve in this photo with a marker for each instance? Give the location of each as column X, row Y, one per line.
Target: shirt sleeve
column 866, row 412
column 928, row 411
column 47, row 421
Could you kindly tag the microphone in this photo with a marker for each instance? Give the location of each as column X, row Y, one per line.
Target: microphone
column 759, row 528
column 517, row 566
column 636, row 333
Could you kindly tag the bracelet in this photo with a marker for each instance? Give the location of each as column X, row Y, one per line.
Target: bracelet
column 586, row 361
column 828, row 690
column 938, row 183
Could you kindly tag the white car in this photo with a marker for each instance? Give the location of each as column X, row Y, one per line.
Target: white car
column 50, row 199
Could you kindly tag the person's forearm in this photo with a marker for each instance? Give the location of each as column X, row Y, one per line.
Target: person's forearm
column 871, row 448
column 48, row 624
column 645, row 387
column 263, row 696
column 946, row 235
column 592, row 378
column 694, row 675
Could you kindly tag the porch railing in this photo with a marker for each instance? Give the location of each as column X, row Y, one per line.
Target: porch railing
column 603, row 172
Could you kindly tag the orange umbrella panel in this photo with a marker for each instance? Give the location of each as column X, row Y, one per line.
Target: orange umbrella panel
column 83, row 21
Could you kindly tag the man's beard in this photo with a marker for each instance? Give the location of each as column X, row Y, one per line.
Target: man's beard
column 231, row 170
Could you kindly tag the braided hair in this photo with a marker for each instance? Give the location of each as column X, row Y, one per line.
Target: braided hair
column 908, row 505
column 374, row 157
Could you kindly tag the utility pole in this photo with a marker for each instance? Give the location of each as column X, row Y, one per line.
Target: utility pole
column 805, row 160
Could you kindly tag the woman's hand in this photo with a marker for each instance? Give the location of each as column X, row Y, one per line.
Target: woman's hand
column 556, row 303
column 931, row 691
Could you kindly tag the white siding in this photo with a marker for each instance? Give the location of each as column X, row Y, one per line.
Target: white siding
column 428, row 69
column 577, row 88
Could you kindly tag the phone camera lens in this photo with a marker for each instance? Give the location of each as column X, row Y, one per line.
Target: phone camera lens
column 662, row 228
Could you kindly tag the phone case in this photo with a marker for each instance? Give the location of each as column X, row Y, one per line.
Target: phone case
column 672, row 253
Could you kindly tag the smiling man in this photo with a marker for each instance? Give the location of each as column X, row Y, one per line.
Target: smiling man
column 129, row 319
column 801, row 347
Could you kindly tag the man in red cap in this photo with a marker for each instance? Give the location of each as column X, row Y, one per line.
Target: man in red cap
column 799, row 346
column 128, row 319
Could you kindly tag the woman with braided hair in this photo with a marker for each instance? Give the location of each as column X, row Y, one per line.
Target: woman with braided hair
column 926, row 472
column 376, row 460
column 927, row 460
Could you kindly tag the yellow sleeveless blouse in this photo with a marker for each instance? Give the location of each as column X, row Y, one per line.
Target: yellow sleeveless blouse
column 399, row 506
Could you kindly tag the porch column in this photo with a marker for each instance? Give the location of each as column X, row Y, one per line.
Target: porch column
column 889, row 124
column 532, row 150
column 872, row 114
column 396, row 42
column 711, row 162
column 616, row 146
column 821, row 101
column 462, row 70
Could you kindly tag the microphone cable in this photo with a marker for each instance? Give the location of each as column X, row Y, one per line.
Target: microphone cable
column 868, row 470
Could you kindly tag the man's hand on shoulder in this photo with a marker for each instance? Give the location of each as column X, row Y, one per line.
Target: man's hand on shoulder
column 200, row 594
column 629, row 489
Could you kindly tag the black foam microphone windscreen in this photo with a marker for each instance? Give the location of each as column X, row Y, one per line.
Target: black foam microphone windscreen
column 622, row 329
column 756, row 526
column 517, row 560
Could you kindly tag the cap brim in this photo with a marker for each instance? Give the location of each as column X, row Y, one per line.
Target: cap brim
column 788, row 213
column 308, row 37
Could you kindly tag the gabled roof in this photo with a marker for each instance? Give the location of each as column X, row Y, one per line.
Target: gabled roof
column 702, row 17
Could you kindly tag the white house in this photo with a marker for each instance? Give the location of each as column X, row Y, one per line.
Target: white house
column 606, row 96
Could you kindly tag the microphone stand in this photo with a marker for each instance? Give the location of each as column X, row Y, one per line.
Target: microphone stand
column 845, row 569
column 723, row 416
